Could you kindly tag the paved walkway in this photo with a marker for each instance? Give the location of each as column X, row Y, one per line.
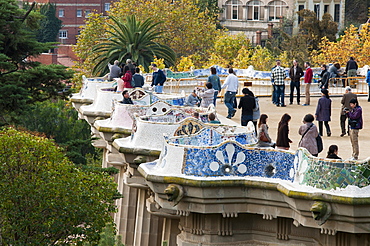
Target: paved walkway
column 298, row 112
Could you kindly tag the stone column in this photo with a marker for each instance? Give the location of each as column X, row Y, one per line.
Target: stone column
column 170, row 231
column 126, row 214
column 258, row 38
column 147, row 226
column 269, row 30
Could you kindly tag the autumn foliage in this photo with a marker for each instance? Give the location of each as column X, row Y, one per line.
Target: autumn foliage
column 354, row 42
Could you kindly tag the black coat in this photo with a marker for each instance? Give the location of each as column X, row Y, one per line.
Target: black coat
column 298, row 75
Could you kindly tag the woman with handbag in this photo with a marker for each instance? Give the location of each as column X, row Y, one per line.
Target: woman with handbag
column 309, row 134
column 264, row 139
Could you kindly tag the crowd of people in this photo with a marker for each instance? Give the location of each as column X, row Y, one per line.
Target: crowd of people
column 351, row 113
column 310, row 133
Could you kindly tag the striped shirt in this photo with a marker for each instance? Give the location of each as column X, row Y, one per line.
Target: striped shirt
column 278, row 74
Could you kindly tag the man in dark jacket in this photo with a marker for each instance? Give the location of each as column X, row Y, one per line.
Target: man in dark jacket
column 158, row 79
column 247, row 104
column 138, row 79
column 295, row 74
column 126, row 98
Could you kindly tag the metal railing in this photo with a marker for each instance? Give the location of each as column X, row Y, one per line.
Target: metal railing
column 263, row 87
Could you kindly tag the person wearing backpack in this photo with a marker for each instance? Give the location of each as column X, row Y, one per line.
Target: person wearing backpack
column 309, row 134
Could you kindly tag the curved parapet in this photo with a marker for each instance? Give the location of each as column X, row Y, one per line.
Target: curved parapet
column 330, row 174
column 122, row 118
column 102, row 105
column 173, row 99
column 88, row 90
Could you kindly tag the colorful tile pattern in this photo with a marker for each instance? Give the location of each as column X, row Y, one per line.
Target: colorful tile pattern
column 329, row 174
column 233, row 159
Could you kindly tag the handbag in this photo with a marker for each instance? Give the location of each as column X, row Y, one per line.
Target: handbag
column 319, row 143
column 263, row 137
column 352, row 122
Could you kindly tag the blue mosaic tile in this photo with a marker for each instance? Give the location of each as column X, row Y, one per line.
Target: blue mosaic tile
column 231, row 159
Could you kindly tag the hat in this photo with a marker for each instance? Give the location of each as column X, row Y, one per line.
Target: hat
column 348, row 88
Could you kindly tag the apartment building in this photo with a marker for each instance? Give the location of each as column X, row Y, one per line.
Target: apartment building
column 255, row 16
column 73, row 14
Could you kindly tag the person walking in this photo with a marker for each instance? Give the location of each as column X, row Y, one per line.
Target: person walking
column 309, row 133
column 232, row 84
column 278, row 74
column 264, row 139
column 323, row 112
column 282, row 140
column 354, row 115
column 207, row 95
column 324, row 81
column 295, row 74
column 216, row 84
column 256, row 110
column 348, row 95
column 158, row 79
column 307, row 81
column 247, row 104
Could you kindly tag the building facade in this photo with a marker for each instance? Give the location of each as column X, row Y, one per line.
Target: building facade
column 73, row 13
column 251, row 16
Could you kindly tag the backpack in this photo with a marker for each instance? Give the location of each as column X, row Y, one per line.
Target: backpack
column 133, row 84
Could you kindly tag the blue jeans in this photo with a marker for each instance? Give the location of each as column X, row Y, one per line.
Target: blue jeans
column 158, row 88
column 215, row 98
column 274, row 101
column 229, row 102
column 280, row 90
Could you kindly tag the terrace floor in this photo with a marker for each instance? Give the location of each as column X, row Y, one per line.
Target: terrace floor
column 297, row 113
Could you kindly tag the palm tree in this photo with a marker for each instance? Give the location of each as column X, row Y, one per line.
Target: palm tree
column 131, row 39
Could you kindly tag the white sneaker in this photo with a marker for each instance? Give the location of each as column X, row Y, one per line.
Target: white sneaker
column 352, row 159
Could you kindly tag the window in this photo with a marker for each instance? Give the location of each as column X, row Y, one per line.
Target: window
column 254, row 10
column 234, row 10
column 336, row 12
column 277, row 9
column 326, row 9
column 300, row 19
column 107, row 6
column 87, row 12
column 317, row 10
column 79, row 13
column 61, row 13
column 63, row 34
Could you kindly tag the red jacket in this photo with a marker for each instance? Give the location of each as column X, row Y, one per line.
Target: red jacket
column 308, row 76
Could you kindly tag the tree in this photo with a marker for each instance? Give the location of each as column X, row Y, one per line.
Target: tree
column 354, row 42
column 59, row 121
column 356, row 11
column 131, row 39
column 185, row 29
column 45, row 199
column 314, row 29
column 49, row 25
column 23, row 81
